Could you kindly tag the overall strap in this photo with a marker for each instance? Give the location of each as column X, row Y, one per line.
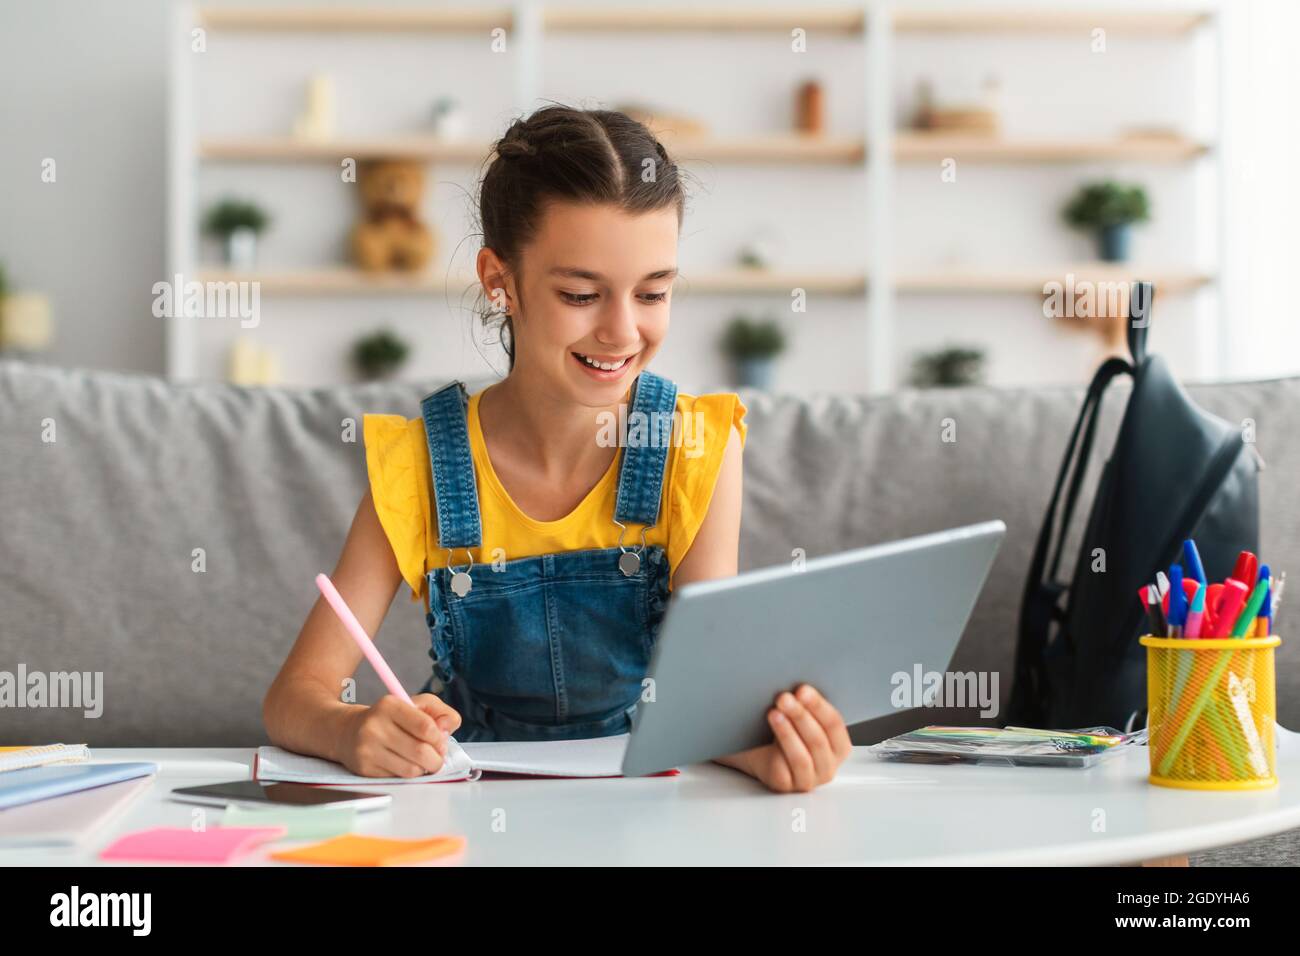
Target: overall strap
column 446, row 428
column 645, row 449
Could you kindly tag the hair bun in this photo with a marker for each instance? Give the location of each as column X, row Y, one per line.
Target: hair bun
column 515, row 147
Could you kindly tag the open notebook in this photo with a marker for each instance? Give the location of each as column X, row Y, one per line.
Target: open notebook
column 594, row 757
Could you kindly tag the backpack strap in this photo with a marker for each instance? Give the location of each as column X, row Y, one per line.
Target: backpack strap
column 1141, row 299
column 1041, row 603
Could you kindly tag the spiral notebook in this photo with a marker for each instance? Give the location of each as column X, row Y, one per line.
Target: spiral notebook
column 593, row 757
column 19, row 758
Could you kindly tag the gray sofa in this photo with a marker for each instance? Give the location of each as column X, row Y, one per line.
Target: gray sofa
column 102, row 528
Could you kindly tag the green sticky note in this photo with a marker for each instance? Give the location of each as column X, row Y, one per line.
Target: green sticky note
column 300, row 823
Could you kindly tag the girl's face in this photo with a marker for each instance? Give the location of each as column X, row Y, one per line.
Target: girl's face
column 596, row 285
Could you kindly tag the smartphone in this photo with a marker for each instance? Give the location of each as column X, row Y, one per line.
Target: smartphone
column 253, row 793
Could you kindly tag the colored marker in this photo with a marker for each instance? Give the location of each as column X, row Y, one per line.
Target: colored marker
column 1263, row 620
column 1234, row 596
column 1192, row 558
column 1189, row 588
column 1177, row 597
column 1195, row 613
column 1144, row 596
column 1244, row 569
column 1155, row 616
column 1246, row 619
column 1213, row 595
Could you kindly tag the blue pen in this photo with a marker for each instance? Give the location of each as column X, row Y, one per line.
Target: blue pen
column 1266, row 609
column 1177, row 600
column 1192, row 558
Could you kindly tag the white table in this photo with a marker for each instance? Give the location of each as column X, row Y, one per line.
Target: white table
column 874, row 813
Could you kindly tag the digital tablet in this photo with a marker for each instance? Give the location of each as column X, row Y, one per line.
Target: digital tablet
column 846, row 623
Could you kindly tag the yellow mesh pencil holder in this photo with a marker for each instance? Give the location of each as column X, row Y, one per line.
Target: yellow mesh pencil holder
column 1212, row 708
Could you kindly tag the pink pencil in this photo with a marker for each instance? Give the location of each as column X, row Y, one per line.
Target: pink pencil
column 340, row 606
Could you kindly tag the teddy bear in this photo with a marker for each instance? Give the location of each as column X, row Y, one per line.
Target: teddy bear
column 391, row 235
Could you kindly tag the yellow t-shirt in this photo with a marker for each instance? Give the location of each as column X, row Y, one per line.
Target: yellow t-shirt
column 397, row 460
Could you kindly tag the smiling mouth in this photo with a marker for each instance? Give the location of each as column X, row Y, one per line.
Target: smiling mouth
column 603, row 364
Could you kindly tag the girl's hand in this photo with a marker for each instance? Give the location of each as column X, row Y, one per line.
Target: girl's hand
column 394, row 739
column 811, row 743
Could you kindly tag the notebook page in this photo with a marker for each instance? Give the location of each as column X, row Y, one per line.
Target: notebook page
column 288, row 767
column 592, row 757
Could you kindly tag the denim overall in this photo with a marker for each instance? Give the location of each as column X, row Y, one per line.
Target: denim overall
column 551, row 647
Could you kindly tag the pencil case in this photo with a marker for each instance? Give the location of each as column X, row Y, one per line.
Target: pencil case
column 1211, row 712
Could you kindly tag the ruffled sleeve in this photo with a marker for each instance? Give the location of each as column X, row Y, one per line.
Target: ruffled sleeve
column 706, row 423
column 398, row 467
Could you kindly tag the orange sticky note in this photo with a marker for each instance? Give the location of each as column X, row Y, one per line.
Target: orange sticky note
column 352, row 849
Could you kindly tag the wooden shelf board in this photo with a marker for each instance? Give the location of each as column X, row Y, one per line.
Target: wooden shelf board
column 1039, row 20
column 346, row 280
column 351, row 19
column 340, row 280
column 911, row 146
column 699, row 18
column 290, row 149
column 776, row 148
column 790, row 148
column 746, row 281
column 703, row 18
column 1032, row 281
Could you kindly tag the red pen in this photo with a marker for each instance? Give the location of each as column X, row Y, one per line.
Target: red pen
column 1213, row 594
column 1234, row 596
column 1245, row 570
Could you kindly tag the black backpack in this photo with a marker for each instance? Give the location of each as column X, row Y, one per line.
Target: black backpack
column 1175, row 472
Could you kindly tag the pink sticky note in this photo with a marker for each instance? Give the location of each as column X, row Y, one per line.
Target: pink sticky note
column 183, row 845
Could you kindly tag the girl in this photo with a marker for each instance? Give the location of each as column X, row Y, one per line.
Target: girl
column 544, row 557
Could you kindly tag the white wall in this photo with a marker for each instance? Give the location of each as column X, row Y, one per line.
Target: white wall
column 83, row 83
column 1262, row 201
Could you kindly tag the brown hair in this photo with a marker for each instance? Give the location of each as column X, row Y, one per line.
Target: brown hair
column 575, row 155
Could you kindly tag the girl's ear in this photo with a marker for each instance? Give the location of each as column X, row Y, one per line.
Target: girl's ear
column 496, row 281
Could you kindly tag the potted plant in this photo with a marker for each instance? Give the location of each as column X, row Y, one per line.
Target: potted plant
column 379, row 355
column 1108, row 209
column 237, row 224
column 752, row 346
column 948, row 367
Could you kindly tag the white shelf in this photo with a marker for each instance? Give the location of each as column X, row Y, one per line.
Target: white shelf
column 878, row 151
